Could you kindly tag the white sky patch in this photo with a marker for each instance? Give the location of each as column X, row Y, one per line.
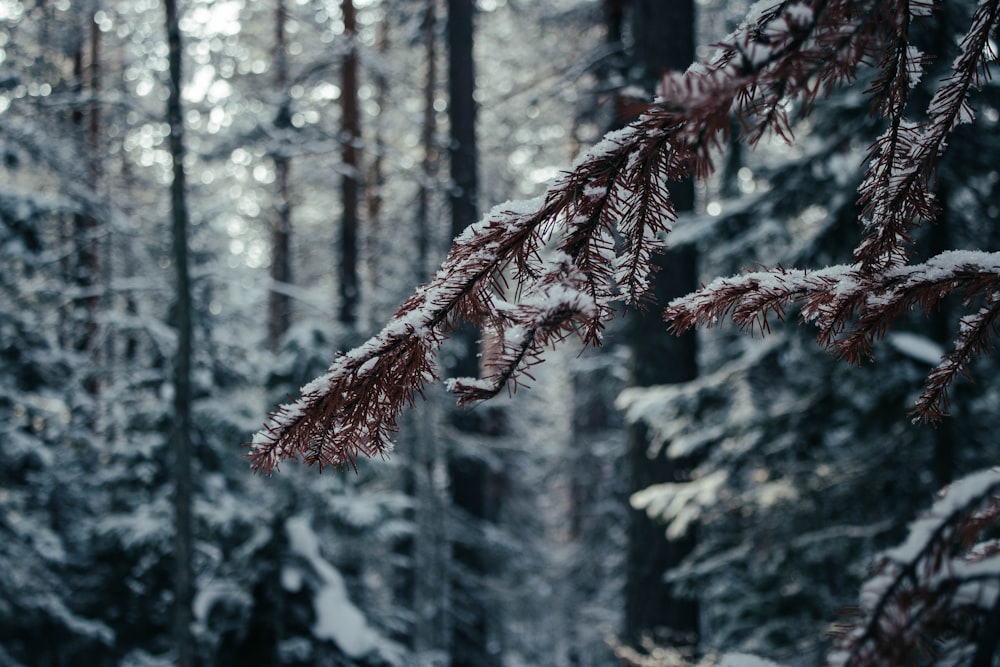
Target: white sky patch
column 219, row 18
column 196, row 90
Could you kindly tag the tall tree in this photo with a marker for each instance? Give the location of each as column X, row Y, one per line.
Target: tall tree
column 183, row 316
column 86, row 226
column 468, row 472
column 462, row 150
column 350, row 183
column 279, row 303
column 428, row 136
column 375, row 182
column 463, row 193
column 663, row 33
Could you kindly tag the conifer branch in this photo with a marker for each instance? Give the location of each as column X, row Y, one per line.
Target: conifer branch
column 616, row 190
column 591, row 239
column 896, row 193
column 973, row 340
column 853, row 308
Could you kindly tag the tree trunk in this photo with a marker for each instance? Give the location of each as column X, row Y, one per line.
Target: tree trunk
column 279, row 303
column 182, row 445
column 376, row 176
column 939, row 240
column 462, row 151
column 462, row 116
column 428, row 132
column 86, row 269
column 940, row 330
column 470, row 476
column 350, row 187
column 428, row 585
column 664, row 40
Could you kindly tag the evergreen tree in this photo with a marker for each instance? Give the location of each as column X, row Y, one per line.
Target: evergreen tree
column 182, row 435
column 279, row 303
column 653, row 610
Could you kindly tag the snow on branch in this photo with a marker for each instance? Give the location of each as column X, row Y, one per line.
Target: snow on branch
column 942, row 582
column 532, row 273
column 609, row 216
column 853, row 308
column 896, row 193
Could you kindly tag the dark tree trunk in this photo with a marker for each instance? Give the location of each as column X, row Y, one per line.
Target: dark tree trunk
column 350, row 186
column 939, row 240
column 376, row 176
column 86, row 269
column 941, row 331
column 182, row 445
column 428, row 132
column 614, row 19
column 462, row 151
column 729, row 178
column 462, row 116
column 470, row 475
column 664, row 40
column 279, row 303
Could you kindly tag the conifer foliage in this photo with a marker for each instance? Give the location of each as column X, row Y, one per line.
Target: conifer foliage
column 532, row 273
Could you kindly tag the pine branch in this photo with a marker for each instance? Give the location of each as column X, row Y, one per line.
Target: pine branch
column 973, row 340
column 896, row 193
column 618, row 188
column 552, row 310
column 854, row 308
column 603, row 222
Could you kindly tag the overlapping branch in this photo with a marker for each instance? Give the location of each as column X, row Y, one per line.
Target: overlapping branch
column 942, row 581
column 896, row 194
column 602, row 222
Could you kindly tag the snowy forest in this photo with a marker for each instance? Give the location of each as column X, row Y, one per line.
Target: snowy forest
column 498, row 333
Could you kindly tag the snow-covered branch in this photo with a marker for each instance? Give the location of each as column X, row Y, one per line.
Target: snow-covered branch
column 608, row 216
column 602, row 222
column 896, row 193
column 853, row 308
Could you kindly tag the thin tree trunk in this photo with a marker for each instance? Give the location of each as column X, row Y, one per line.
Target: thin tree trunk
column 350, row 186
column 473, row 484
column 279, row 304
column 182, row 445
column 940, row 331
column 462, row 151
column 86, row 271
column 376, row 177
column 429, row 582
column 664, row 39
column 939, row 233
column 462, row 116
column 428, row 132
